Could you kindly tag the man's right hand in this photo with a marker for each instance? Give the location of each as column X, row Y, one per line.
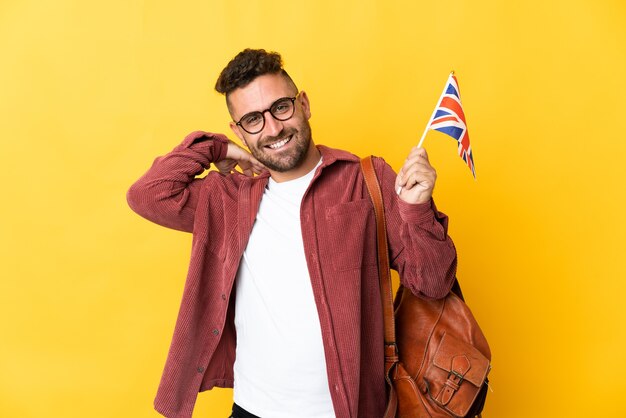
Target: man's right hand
column 237, row 156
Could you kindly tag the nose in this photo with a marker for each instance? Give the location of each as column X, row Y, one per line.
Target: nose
column 272, row 126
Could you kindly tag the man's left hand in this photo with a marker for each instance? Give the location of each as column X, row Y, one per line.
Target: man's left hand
column 416, row 177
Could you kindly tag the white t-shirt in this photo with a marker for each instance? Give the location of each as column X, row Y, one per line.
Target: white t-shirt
column 280, row 369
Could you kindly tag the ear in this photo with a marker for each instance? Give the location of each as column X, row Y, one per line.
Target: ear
column 237, row 131
column 304, row 102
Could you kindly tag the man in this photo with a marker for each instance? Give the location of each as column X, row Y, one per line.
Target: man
column 282, row 298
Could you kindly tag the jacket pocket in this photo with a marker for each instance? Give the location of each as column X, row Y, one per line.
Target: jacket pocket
column 349, row 226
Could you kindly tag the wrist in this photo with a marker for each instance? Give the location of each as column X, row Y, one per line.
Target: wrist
column 207, row 143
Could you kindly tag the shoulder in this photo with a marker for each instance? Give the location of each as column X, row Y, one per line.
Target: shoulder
column 332, row 155
column 346, row 158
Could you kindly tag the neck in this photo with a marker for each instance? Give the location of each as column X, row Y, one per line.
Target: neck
column 310, row 161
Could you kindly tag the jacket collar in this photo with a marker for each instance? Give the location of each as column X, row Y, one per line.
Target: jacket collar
column 330, row 155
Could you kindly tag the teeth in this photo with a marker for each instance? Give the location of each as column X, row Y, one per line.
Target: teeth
column 279, row 144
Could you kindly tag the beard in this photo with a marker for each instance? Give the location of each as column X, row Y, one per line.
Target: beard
column 289, row 159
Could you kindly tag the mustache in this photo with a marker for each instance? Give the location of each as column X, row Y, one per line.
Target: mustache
column 285, row 133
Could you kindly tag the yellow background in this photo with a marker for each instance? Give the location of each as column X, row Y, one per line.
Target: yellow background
column 92, row 92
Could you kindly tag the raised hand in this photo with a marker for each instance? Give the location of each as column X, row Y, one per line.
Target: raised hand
column 416, row 179
column 237, row 156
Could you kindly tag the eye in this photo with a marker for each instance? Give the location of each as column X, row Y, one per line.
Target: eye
column 282, row 106
column 252, row 119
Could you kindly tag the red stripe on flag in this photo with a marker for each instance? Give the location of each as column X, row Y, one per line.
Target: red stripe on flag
column 450, row 103
column 465, row 141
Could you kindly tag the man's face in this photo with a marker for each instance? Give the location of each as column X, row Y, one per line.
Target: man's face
column 281, row 145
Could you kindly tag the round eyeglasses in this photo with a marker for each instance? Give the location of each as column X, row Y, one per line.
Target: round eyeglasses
column 282, row 110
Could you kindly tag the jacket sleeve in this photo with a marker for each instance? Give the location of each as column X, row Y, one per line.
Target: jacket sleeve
column 167, row 193
column 419, row 246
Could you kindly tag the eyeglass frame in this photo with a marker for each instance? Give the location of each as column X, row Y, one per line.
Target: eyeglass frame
column 269, row 109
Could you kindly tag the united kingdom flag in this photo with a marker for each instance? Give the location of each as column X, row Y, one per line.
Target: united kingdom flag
column 450, row 119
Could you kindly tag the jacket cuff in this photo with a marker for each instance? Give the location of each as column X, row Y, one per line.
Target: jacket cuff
column 416, row 213
column 200, row 140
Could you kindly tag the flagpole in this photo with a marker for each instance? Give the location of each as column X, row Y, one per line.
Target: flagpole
column 419, row 145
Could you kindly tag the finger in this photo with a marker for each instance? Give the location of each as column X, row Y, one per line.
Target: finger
column 416, row 159
column 419, row 165
column 421, row 168
column 412, row 179
column 421, row 180
column 417, row 171
column 245, row 167
column 244, row 157
column 256, row 163
column 226, row 167
column 418, row 152
column 259, row 167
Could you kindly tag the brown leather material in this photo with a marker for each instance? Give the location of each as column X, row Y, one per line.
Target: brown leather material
column 384, row 272
column 437, row 359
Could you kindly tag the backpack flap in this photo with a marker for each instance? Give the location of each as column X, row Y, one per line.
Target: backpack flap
column 456, row 376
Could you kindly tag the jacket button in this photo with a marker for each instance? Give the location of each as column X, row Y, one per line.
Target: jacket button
column 215, row 332
column 223, row 296
column 200, row 369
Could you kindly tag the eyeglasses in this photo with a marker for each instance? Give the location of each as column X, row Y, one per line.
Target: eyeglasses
column 282, row 110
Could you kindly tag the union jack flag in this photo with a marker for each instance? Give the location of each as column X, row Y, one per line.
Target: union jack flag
column 450, row 119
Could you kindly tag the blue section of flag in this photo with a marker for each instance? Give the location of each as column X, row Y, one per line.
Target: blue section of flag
column 441, row 112
column 452, row 90
column 453, row 131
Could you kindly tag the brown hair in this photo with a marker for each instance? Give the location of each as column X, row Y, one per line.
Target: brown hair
column 248, row 65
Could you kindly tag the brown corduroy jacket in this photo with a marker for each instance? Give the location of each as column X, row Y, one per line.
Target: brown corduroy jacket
column 339, row 235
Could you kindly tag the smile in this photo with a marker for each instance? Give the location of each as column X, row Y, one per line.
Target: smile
column 280, row 144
